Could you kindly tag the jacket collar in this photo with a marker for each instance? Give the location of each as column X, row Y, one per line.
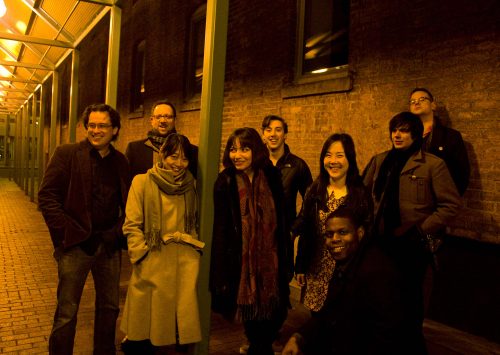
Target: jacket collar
column 417, row 159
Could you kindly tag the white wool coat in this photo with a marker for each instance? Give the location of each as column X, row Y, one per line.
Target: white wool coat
column 162, row 293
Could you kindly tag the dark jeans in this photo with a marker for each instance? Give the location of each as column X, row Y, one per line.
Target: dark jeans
column 74, row 266
column 262, row 333
column 412, row 259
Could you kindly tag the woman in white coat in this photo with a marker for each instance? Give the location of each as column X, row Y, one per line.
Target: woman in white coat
column 161, row 229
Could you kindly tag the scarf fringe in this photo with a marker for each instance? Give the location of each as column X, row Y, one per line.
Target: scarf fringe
column 153, row 239
column 246, row 312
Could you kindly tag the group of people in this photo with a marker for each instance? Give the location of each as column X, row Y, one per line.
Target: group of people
column 365, row 240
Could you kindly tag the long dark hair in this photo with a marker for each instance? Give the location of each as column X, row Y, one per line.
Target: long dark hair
column 249, row 138
column 353, row 180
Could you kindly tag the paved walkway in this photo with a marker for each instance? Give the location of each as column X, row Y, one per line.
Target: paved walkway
column 28, row 283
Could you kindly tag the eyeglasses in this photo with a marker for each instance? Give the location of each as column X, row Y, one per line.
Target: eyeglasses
column 167, row 117
column 98, row 125
column 419, row 100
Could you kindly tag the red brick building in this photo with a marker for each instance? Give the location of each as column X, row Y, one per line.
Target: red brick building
column 450, row 47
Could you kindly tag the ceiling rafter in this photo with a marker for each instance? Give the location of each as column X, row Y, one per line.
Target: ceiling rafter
column 35, row 40
column 25, row 65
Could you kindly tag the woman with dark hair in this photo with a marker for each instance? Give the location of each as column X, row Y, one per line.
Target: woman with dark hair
column 161, row 227
column 251, row 261
column 414, row 198
column 338, row 183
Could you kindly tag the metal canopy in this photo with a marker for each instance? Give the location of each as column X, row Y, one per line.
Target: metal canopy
column 35, row 37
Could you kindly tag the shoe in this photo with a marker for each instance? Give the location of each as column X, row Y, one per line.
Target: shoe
column 244, row 348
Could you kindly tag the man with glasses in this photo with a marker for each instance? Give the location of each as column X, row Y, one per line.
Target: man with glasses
column 142, row 154
column 439, row 140
column 82, row 198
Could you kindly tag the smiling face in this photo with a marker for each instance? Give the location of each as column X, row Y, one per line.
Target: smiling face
column 342, row 238
column 241, row 156
column 177, row 163
column 274, row 135
column 335, row 162
column 100, row 131
column 163, row 119
column 401, row 137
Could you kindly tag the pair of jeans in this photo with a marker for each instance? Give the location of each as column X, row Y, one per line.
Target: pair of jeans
column 74, row 266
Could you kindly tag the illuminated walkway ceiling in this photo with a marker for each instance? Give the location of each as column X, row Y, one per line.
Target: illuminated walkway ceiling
column 35, row 38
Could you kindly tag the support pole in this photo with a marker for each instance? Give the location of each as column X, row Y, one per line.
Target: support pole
column 113, row 55
column 212, row 102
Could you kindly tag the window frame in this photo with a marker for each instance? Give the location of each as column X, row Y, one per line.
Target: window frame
column 135, row 84
column 199, row 15
column 339, row 72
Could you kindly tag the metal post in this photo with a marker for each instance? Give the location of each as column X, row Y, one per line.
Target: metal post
column 26, row 146
column 212, row 102
column 53, row 112
column 73, row 96
column 41, row 138
column 34, row 146
column 113, row 55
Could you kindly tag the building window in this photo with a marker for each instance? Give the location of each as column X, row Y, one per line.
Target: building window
column 322, row 39
column 138, row 74
column 196, row 52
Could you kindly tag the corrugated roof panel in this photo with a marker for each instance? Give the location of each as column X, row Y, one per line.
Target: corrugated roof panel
column 82, row 17
column 57, row 9
column 42, row 29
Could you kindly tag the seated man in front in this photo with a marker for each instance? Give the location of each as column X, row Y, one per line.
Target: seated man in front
column 363, row 310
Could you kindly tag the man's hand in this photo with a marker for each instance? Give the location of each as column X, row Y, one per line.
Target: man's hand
column 301, row 279
column 291, row 347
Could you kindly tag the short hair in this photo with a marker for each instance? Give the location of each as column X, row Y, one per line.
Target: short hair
column 114, row 116
column 163, row 102
column 359, row 217
column 410, row 120
column 267, row 121
column 173, row 142
column 250, row 138
column 424, row 90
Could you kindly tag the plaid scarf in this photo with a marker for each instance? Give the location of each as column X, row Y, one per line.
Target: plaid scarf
column 159, row 179
column 258, row 290
column 158, row 140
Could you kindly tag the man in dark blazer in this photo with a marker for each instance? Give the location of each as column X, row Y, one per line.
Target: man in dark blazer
column 363, row 311
column 82, row 198
column 444, row 142
column 143, row 154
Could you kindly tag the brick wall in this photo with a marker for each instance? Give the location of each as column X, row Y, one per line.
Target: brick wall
column 450, row 47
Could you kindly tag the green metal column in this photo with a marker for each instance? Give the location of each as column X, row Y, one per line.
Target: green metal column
column 34, row 148
column 41, row 138
column 17, row 148
column 53, row 112
column 73, row 95
column 212, row 102
column 113, row 55
column 26, row 147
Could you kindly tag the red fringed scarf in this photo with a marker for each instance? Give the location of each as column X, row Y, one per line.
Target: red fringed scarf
column 258, row 290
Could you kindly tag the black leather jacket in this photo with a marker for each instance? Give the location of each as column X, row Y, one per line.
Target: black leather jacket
column 296, row 178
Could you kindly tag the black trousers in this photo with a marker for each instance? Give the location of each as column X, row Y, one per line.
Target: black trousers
column 262, row 333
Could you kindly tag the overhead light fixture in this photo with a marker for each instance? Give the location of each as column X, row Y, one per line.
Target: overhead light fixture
column 3, row 8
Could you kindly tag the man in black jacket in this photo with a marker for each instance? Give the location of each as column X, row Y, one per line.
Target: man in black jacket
column 143, row 154
column 82, row 198
column 295, row 173
column 363, row 312
column 444, row 142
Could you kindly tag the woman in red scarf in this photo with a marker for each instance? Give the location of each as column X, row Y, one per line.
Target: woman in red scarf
column 251, row 261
